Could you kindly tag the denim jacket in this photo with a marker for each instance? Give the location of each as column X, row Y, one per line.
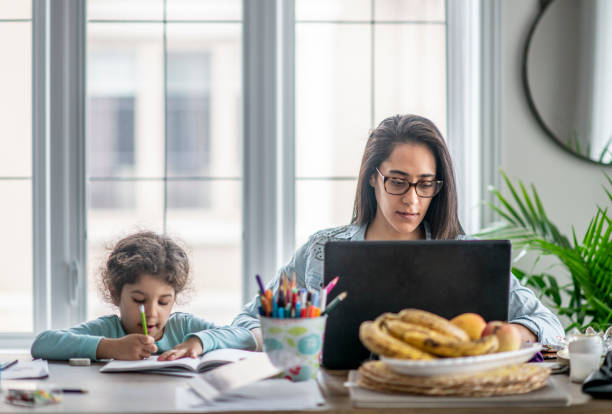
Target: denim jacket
column 307, row 263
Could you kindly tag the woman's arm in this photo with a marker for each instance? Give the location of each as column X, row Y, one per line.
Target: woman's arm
column 526, row 334
column 535, row 318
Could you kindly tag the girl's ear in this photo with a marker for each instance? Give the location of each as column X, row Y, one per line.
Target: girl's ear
column 115, row 296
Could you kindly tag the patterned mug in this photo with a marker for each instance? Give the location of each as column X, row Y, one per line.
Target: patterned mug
column 294, row 345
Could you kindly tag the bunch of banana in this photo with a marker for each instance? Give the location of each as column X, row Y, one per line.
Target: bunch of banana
column 418, row 334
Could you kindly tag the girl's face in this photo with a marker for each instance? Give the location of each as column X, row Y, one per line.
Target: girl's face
column 157, row 297
column 398, row 217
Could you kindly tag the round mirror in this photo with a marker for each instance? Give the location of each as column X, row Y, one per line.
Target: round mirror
column 567, row 73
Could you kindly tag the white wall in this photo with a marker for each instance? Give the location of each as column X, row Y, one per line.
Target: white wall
column 570, row 188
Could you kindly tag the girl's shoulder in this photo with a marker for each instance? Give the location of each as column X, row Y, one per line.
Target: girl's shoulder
column 185, row 323
column 181, row 318
column 110, row 319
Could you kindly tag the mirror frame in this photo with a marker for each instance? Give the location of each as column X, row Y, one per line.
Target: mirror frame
column 544, row 4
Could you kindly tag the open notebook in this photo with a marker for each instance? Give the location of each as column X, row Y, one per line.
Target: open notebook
column 187, row 366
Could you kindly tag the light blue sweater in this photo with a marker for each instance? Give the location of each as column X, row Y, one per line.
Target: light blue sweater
column 307, row 263
column 82, row 340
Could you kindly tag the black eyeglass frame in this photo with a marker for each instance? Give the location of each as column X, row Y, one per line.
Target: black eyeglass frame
column 439, row 184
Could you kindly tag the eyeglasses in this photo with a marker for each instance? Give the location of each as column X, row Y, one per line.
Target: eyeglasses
column 400, row 186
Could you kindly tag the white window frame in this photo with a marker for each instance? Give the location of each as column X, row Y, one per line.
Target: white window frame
column 68, row 208
column 59, row 163
column 474, row 104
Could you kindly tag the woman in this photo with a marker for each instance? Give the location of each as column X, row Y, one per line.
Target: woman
column 406, row 191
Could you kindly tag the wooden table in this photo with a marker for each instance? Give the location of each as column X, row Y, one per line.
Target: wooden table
column 130, row 393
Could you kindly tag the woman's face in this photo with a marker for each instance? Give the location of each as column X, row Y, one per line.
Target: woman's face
column 399, row 216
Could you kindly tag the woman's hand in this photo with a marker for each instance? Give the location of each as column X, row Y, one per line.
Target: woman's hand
column 526, row 334
column 191, row 348
column 130, row 347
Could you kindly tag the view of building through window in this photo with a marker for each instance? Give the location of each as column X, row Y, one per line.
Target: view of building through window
column 164, row 135
column 358, row 62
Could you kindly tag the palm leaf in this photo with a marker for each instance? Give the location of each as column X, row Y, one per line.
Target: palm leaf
column 605, row 150
column 519, row 203
column 588, row 259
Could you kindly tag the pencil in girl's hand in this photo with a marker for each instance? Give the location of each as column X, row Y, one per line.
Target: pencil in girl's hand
column 331, row 284
column 143, row 319
column 334, row 303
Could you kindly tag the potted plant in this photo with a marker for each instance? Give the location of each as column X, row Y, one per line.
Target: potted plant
column 587, row 299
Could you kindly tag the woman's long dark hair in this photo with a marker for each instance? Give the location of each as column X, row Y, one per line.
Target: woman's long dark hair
column 442, row 212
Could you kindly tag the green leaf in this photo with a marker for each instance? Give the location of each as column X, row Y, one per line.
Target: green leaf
column 518, row 202
column 587, row 298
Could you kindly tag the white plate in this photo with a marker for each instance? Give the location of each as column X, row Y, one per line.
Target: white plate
column 563, row 355
column 444, row 366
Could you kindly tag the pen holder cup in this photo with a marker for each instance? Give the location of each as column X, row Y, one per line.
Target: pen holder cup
column 294, row 345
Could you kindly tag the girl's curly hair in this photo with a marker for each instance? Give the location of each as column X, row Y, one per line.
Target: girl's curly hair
column 144, row 253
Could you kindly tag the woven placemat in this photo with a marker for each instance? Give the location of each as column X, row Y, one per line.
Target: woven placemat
column 512, row 379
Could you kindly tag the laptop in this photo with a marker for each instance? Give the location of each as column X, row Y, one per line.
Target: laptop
column 447, row 277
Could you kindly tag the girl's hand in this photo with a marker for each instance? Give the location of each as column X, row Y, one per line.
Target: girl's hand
column 130, row 347
column 191, row 348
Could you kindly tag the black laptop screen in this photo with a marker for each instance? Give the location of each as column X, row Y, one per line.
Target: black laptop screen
column 445, row 277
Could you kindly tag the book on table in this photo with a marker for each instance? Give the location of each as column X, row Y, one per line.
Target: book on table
column 182, row 366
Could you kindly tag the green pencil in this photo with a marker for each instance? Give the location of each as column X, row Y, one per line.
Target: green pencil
column 144, row 319
column 334, row 303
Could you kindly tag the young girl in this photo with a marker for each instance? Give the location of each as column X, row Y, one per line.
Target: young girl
column 150, row 270
column 406, row 191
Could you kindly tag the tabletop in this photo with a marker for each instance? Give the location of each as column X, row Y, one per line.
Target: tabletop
column 133, row 392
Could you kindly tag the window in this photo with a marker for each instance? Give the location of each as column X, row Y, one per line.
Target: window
column 163, row 135
column 158, row 122
column 16, row 288
column 358, row 62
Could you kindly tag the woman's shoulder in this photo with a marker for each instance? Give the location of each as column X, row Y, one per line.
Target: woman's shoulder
column 316, row 242
column 346, row 232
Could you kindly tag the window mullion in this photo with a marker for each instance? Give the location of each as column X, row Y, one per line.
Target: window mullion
column 463, row 106
column 490, row 102
column 40, row 176
column 286, row 110
column 259, row 143
column 67, row 163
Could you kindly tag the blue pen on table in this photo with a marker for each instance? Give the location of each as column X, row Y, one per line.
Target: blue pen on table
column 9, row 364
column 71, row 390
